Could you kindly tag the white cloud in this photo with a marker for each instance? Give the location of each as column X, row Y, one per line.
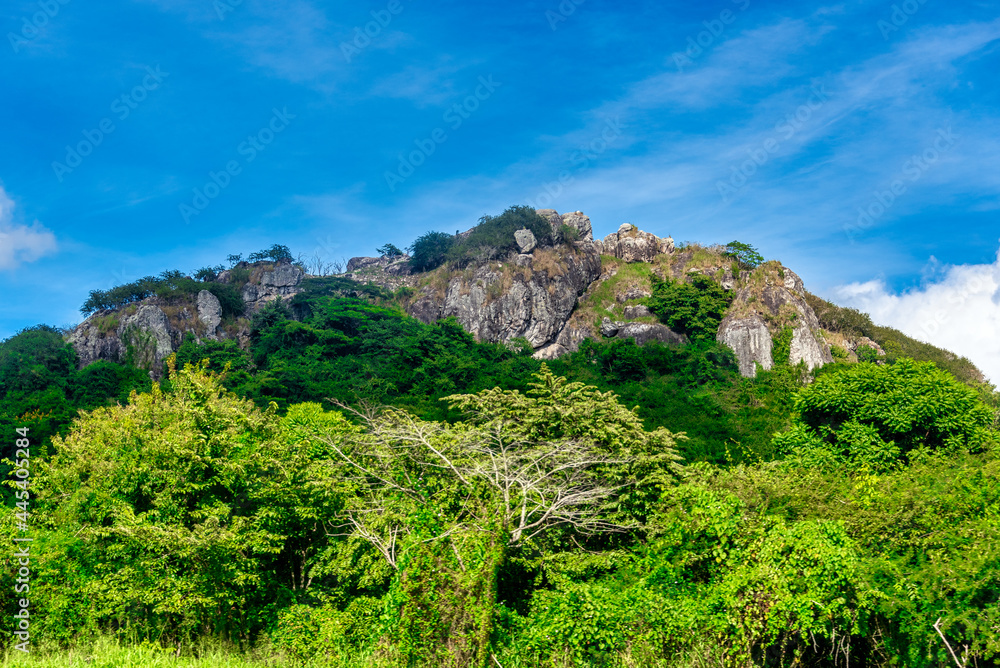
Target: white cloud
column 21, row 243
column 959, row 311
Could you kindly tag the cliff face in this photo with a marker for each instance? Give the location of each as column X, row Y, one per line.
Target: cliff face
column 149, row 331
column 554, row 297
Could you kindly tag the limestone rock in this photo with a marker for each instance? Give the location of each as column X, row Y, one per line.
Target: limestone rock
column 148, row 332
column 633, row 245
column 750, row 340
column 91, row 344
column 637, row 311
column 281, row 282
column 644, row 332
column 534, row 302
column 581, row 223
column 805, row 348
column 209, row 312
column 525, row 240
column 610, row 328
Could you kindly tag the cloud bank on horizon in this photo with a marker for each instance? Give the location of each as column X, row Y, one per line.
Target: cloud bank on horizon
column 852, row 141
column 958, row 308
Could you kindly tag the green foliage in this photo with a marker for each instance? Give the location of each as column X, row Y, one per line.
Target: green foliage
column 209, row 273
column 568, row 234
column 493, row 237
column 694, row 308
column 389, row 250
column 169, row 286
column 897, row 345
column 867, row 354
column 276, row 253
column 876, row 416
column 430, row 250
column 781, row 350
column 746, row 255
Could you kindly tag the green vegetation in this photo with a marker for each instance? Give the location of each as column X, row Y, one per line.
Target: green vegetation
column 430, row 250
column 493, row 237
column 695, row 308
column 852, row 322
column 389, row 250
column 745, row 255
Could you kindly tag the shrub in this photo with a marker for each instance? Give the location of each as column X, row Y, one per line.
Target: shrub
column 494, row 235
column 694, row 308
column 568, row 234
column 743, row 253
column 430, row 250
column 867, row 354
column 389, row 250
column 276, row 253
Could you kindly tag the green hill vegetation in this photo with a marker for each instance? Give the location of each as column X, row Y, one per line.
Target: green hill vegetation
column 357, row 488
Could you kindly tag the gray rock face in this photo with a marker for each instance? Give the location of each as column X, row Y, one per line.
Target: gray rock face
column 581, row 223
column 149, row 332
column 644, row 332
column 209, row 312
column 525, row 240
column 806, row 348
column 633, row 245
column 750, row 339
column 498, row 305
column 282, row 281
column 609, row 328
column 92, row 345
column 637, row 311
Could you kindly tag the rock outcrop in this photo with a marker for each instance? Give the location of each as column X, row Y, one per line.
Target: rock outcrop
column 209, row 312
column 498, row 302
column 525, row 240
column 750, row 340
column 577, row 220
column 281, row 282
column 778, row 303
column 633, row 245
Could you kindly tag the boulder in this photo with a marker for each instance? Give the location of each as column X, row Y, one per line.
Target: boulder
column 209, row 312
column 525, row 240
column 644, row 332
column 632, row 244
column 581, row 223
column 281, row 282
column 806, row 348
column 750, row 340
column 610, row 328
column 637, row 311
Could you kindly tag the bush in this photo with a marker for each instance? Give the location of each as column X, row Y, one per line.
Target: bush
column 276, row 253
column 694, row 308
column 745, row 254
column 494, row 235
column 389, row 250
column 430, row 250
column 867, row 354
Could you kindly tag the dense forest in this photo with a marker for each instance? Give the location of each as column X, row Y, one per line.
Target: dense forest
column 358, row 488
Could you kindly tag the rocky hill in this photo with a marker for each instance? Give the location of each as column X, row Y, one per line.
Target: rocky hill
column 552, row 294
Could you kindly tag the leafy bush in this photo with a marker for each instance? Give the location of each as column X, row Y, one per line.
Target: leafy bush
column 781, row 351
column 867, row 354
column 880, row 415
column 389, row 250
column 276, row 253
column 746, row 255
column 430, row 250
column 494, row 235
column 694, row 308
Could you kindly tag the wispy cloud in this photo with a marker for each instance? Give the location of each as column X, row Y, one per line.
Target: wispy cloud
column 21, row 243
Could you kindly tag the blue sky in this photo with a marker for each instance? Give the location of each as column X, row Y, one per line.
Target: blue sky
column 147, row 135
